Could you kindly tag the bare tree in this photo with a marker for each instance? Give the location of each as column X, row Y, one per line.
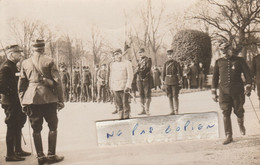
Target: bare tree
column 150, row 36
column 235, row 21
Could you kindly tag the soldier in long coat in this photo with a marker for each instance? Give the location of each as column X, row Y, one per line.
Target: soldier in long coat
column 76, row 80
column 40, row 91
column 227, row 78
column 144, row 81
column 15, row 119
column 194, row 74
column 172, row 79
column 157, row 77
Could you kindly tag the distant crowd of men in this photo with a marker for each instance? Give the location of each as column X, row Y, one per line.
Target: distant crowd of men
column 86, row 85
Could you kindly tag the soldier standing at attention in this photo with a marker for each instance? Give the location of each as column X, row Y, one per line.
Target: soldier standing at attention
column 15, row 118
column 76, row 84
column 40, row 91
column 256, row 72
column 94, row 84
column 102, row 81
column 65, row 79
column 121, row 77
column 144, row 81
column 172, row 79
column 87, row 83
column 227, row 77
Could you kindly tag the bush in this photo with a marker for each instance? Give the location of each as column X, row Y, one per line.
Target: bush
column 192, row 46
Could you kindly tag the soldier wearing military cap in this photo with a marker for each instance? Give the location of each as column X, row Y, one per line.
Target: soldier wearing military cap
column 65, row 79
column 256, row 72
column 87, row 82
column 227, row 78
column 172, row 80
column 40, row 91
column 15, row 118
column 76, row 83
column 144, row 81
column 120, row 80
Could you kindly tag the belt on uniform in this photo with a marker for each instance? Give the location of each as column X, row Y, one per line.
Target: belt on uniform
column 35, row 83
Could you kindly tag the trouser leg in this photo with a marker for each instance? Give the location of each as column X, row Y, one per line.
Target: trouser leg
column 176, row 105
column 228, row 130
column 147, row 105
column 171, row 105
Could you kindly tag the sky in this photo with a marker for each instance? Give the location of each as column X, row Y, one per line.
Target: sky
column 76, row 17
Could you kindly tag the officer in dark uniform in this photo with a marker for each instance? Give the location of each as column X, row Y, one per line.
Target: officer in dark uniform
column 144, row 81
column 87, row 83
column 65, row 79
column 172, row 79
column 256, row 72
column 227, row 77
column 40, row 91
column 76, row 84
column 15, row 119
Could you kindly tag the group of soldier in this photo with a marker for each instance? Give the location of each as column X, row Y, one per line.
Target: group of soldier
column 42, row 90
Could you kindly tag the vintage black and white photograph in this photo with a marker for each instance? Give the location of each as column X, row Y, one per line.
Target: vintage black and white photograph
column 130, row 82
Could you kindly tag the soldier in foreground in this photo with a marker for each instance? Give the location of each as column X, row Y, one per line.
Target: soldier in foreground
column 121, row 76
column 41, row 94
column 172, row 79
column 144, row 81
column 256, row 72
column 15, row 118
column 227, row 77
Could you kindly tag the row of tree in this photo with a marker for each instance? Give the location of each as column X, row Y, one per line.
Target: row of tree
column 233, row 21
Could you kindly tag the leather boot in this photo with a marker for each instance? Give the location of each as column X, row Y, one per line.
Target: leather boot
column 52, row 157
column 171, row 106
column 10, row 156
column 176, row 105
column 147, row 106
column 38, row 147
column 143, row 107
column 241, row 125
column 228, row 130
column 18, row 145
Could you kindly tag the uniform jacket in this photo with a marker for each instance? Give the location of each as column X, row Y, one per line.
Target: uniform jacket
column 86, row 77
column 227, row 75
column 172, row 72
column 256, row 68
column 144, row 67
column 8, row 83
column 102, row 76
column 121, row 75
column 76, row 77
column 65, row 78
column 31, row 89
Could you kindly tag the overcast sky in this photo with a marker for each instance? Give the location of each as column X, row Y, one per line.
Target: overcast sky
column 77, row 16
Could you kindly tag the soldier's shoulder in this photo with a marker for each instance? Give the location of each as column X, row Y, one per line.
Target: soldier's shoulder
column 47, row 58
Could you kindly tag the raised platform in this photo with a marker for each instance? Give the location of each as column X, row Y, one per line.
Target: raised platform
column 158, row 129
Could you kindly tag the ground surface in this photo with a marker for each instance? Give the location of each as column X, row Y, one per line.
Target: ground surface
column 78, row 143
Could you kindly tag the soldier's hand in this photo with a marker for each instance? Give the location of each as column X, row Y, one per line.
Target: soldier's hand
column 214, row 95
column 215, row 98
column 26, row 110
column 248, row 90
column 127, row 90
column 60, row 105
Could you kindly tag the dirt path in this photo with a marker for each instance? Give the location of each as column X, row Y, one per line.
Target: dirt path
column 78, row 143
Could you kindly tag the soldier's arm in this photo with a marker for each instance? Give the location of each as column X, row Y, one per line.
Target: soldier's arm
column 215, row 78
column 164, row 72
column 22, row 83
column 179, row 71
column 246, row 72
column 57, row 81
column 4, row 85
